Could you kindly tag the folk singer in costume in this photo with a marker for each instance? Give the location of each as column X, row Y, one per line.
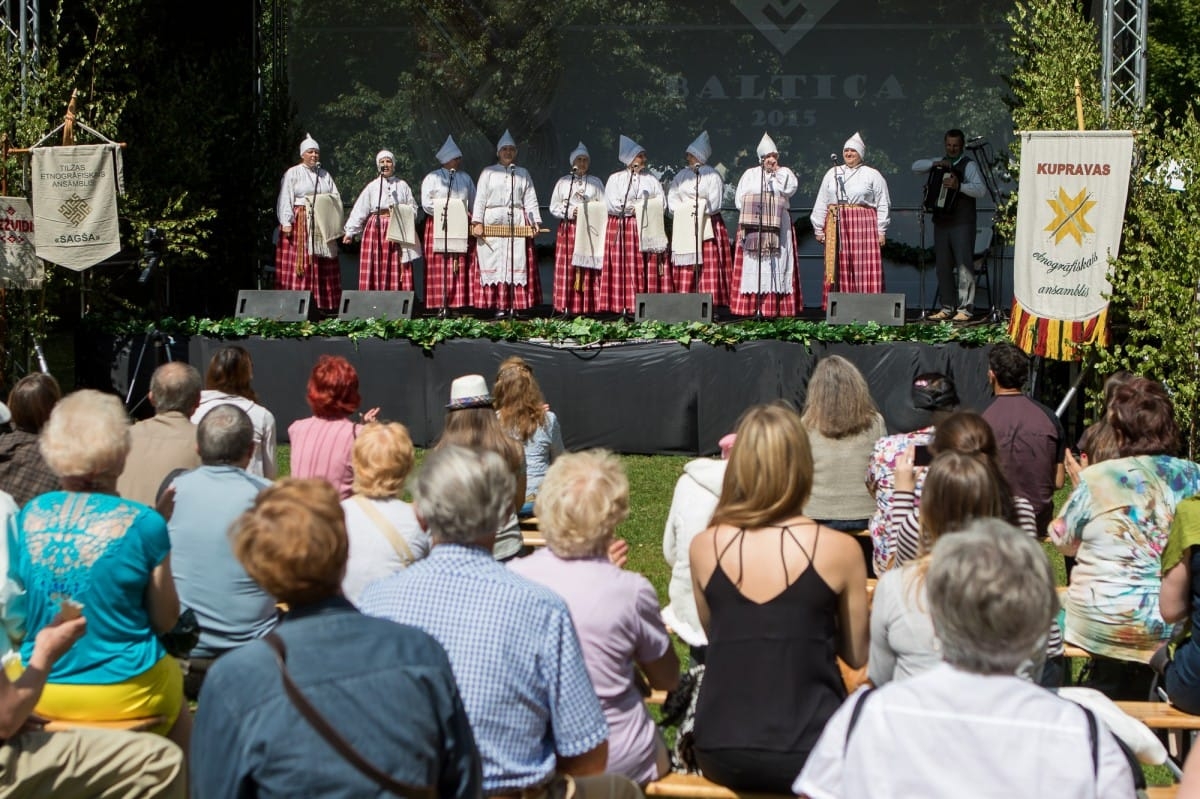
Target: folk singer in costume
column 765, row 268
column 309, row 210
column 955, row 184
column 850, row 217
column 578, row 200
column 636, row 238
column 700, row 255
column 505, row 220
column 447, row 195
column 385, row 216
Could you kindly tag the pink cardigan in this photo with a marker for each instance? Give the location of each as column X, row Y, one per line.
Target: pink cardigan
column 321, row 448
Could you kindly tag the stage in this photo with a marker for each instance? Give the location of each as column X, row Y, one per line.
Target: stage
column 627, row 390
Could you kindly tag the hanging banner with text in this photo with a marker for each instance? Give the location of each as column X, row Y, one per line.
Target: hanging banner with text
column 19, row 265
column 75, row 204
column 1073, row 189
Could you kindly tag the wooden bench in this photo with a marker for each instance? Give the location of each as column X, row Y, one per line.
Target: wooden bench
column 1162, row 791
column 1160, row 715
column 131, row 725
column 531, row 536
column 693, row 786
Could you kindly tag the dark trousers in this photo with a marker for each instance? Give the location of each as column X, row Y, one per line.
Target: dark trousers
column 953, row 245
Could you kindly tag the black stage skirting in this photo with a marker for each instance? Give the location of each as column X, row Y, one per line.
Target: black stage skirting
column 652, row 397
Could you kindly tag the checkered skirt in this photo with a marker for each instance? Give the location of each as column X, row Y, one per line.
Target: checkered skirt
column 715, row 273
column 575, row 288
column 860, row 266
column 379, row 264
column 442, row 271
column 296, row 270
column 627, row 270
column 773, row 304
column 497, row 295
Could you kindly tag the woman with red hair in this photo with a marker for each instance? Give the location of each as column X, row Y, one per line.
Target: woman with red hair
column 323, row 443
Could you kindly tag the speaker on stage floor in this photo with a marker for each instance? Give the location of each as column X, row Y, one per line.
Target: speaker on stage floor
column 845, row 309
column 281, row 306
column 376, row 305
column 674, row 307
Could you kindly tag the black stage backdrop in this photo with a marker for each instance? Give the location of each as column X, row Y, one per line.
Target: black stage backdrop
column 651, row 397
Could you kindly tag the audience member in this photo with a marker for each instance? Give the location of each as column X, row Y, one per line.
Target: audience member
column 23, row 471
column 76, row 763
column 692, row 506
column 166, row 441
column 843, row 425
column 516, row 658
column 615, row 612
column 932, row 392
column 1179, row 600
column 471, row 422
column 1097, row 442
column 525, row 416
column 1029, row 436
column 85, row 547
column 322, row 443
column 384, row 533
column 971, row 721
column 386, row 690
column 1115, row 524
column 227, row 382
column 780, row 598
column 230, row 608
column 959, row 489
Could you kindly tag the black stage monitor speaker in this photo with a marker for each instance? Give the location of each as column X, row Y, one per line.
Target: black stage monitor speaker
column 376, row 305
column 674, row 307
column 281, row 306
column 845, row 309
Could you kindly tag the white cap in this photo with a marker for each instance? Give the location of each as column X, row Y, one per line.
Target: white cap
column 856, row 142
column 766, row 146
column 382, row 154
column 701, row 147
column 469, row 391
column 628, row 150
column 309, row 143
column 448, row 152
column 578, row 151
column 506, row 141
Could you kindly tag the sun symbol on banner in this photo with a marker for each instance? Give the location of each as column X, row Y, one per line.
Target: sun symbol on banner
column 1070, row 215
column 75, row 209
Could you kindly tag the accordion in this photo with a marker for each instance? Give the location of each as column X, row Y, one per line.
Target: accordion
column 939, row 198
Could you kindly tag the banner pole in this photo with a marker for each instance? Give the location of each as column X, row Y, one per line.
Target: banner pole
column 1079, row 105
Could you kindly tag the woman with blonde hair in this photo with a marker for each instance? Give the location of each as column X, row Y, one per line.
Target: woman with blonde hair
column 843, row 424
column 385, row 535
column 780, row 598
column 85, row 549
column 615, row 612
column 525, row 416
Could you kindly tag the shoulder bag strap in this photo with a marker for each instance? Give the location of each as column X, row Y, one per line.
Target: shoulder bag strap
column 854, row 714
column 332, row 737
column 387, row 528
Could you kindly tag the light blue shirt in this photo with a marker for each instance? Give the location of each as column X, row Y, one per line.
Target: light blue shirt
column 515, row 656
column 229, row 606
column 98, row 550
column 543, row 446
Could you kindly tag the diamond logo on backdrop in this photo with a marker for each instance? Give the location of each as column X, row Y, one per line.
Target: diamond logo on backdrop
column 784, row 22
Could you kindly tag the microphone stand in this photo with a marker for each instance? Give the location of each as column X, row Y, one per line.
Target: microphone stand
column 762, row 196
column 512, row 233
column 447, row 264
column 312, row 226
column 699, row 243
column 843, row 199
column 380, row 235
column 563, row 227
column 621, row 233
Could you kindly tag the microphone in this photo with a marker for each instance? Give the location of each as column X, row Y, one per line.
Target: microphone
column 512, row 168
column 452, row 170
column 318, row 166
column 381, row 170
column 696, row 169
column 975, row 138
column 574, row 170
column 833, row 157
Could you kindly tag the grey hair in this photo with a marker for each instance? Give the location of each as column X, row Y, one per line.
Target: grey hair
column 176, row 387
column 992, row 598
column 225, row 435
column 463, row 495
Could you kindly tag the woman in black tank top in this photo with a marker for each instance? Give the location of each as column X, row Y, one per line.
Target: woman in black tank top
column 781, row 598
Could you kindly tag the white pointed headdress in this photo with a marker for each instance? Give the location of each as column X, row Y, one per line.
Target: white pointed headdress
column 382, row 154
column 701, row 147
column 506, row 141
column 766, row 146
column 856, row 142
column 628, row 150
column 448, row 152
column 309, row 143
column 579, row 150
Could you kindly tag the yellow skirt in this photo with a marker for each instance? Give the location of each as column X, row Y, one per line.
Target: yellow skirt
column 158, row 691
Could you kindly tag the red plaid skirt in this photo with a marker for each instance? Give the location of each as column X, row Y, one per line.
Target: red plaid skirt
column 321, row 276
column 715, row 273
column 772, row 304
column 575, row 288
column 497, row 295
column 379, row 265
column 442, row 270
column 627, row 270
column 860, row 266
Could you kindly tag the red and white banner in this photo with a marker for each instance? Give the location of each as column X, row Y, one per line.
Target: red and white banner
column 20, row 267
column 1073, row 188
